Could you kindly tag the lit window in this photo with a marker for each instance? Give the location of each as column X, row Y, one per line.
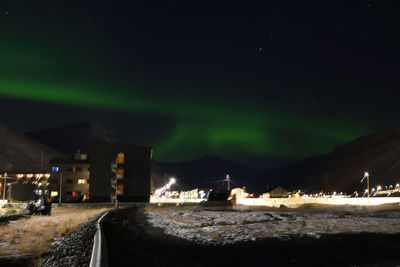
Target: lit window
column 82, row 181
column 73, row 193
column 55, row 169
column 54, row 193
column 74, row 169
column 121, row 158
column 120, row 173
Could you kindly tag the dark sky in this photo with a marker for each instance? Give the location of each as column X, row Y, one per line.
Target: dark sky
column 261, row 83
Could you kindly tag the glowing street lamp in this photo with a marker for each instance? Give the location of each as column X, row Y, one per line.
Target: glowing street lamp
column 366, row 175
column 377, row 189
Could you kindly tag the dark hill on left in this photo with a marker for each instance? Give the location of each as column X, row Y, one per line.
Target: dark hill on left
column 19, row 153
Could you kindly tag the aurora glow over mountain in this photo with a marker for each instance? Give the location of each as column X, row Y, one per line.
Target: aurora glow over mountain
column 247, row 85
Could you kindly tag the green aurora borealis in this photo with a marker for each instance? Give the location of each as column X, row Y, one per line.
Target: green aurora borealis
column 77, row 66
column 200, row 128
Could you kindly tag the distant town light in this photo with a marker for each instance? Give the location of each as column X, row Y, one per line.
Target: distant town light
column 172, row 180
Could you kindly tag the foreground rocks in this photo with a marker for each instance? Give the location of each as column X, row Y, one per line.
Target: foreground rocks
column 133, row 241
column 74, row 249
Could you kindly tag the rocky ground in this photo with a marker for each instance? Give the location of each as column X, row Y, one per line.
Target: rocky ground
column 132, row 240
column 232, row 226
column 74, row 249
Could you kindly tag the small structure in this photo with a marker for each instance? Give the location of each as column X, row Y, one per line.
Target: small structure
column 278, row 192
column 24, row 185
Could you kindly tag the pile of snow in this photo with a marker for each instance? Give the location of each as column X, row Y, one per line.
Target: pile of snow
column 228, row 227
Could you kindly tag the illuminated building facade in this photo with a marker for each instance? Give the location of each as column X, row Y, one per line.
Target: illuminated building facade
column 24, row 185
column 122, row 165
column 109, row 168
column 71, row 177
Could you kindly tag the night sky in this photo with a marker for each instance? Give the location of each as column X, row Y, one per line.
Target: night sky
column 261, row 83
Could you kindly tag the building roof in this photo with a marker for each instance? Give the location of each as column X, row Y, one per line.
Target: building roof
column 68, row 161
column 278, row 191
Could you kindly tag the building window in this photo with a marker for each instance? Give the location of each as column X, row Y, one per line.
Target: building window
column 73, row 193
column 55, row 169
column 120, row 173
column 73, row 169
column 120, row 158
column 70, row 181
column 54, row 193
column 82, row 181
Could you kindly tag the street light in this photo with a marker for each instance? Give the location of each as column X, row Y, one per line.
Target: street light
column 377, row 189
column 366, row 175
column 4, row 185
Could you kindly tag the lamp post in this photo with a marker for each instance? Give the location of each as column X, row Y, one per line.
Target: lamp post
column 59, row 197
column 366, row 175
column 228, row 179
column 4, row 186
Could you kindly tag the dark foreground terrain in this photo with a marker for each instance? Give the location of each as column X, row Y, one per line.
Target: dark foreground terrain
column 131, row 241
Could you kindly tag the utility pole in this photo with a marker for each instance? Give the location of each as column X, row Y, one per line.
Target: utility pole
column 5, row 184
column 228, row 179
column 4, row 187
column 59, row 197
column 9, row 197
column 41, row 162
column 366, row 175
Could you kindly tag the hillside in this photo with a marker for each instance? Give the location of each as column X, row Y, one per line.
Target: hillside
column 68, row 139
column 21, row 154
column 378, row 153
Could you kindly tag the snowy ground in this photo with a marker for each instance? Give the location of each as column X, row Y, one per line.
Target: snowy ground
column 230, row 226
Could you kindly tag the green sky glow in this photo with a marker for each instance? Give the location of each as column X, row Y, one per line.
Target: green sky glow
column 203, row 125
